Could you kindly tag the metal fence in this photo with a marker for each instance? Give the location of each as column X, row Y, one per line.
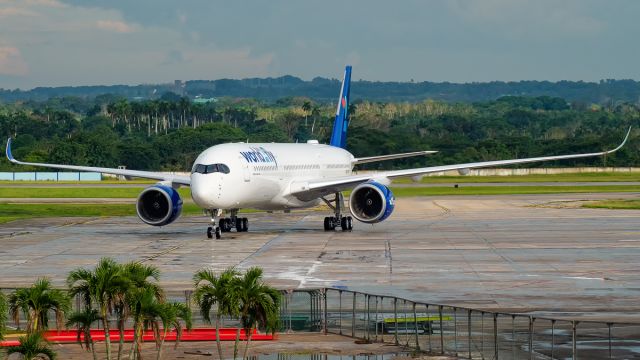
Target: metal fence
column 440, row 329
column 474, row 334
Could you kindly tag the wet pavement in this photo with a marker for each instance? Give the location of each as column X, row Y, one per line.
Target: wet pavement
column 525, row 253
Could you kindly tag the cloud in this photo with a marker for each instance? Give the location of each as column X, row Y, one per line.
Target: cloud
column 48, row 3
column 115, row 26
column 11, row 62
column 16, row 11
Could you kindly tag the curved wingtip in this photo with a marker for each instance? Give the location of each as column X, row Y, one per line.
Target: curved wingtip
column 8, row 151
column 626, row 137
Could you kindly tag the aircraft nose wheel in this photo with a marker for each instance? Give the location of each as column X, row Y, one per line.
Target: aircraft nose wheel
column 211, row 232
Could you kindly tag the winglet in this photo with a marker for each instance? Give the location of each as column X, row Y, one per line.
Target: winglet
column 623, row 142
column 8, row 151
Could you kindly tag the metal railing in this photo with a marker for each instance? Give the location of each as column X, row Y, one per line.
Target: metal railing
column 441, row 329
column 474, row 334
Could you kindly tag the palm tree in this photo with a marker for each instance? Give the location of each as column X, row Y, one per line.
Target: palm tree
column 259, row 304
column 170, row 316
column 215, row 290
column 105, row 286
column 83, row 320
column 140, row 276
column 35, row 303
column 32, row 346
column 4, row 307
column 146, row 310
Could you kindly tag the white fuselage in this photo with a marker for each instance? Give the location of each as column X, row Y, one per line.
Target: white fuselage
column 260, row 175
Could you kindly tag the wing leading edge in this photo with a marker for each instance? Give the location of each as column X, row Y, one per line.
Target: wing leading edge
column 174, row 179
column 370, row 159
column 320, row 187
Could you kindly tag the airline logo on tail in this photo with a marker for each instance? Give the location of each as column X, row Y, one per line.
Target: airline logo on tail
column 339, row 134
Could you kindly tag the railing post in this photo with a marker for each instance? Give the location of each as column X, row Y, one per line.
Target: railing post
column 609, row 326
column 415, row 322
column 574, row 340
column 395, row 318
column 553, row 337
column 530, row 337
column 353, row 316
column 375, row 321
column 366, row 325
column 340, row 311
column 325, row 311
column 455, row 331
column 469, row 330
column 430, row 327
column 495, row 336
column 441, row 333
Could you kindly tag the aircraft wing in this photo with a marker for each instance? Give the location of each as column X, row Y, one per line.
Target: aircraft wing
column 174, row 179
column 369, row 159
column 308, row 190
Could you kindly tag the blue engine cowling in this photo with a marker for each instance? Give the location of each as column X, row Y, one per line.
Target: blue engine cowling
column 159, row 205
column 371, row 202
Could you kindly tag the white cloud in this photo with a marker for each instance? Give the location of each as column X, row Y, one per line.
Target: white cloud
column 11, row 62
column 115, row 25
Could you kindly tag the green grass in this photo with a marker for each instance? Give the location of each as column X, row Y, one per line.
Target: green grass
column 576, row 177
column 79, row 183
column 132, row 193
column 10, row 212
column 614, row 204
column 77, row 192
column 505, row 190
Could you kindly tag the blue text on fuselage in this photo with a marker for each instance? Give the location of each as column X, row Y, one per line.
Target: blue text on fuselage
column 258, row 155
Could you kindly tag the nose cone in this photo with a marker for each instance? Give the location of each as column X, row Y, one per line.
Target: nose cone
column 203, row 191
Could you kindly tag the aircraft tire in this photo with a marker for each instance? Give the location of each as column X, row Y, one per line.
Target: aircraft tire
column 245, row 224
column 209, row 232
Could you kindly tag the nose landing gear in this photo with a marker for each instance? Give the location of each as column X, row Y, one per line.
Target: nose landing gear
column 332, row 222
column 226, row 224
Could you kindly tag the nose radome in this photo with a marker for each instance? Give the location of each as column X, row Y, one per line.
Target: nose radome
column 201, row 192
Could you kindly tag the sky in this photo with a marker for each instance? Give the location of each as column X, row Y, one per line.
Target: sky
column 73, row 42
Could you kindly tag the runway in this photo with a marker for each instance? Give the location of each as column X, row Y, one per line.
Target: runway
column 524, row 253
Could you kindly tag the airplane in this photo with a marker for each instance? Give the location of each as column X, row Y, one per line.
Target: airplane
column 283, row 176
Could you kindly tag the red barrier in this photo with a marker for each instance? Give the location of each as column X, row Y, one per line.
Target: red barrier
column 199, row 334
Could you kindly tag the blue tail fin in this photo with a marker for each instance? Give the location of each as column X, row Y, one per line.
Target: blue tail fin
column 339, row 135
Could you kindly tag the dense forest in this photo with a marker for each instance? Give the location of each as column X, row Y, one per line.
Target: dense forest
column 604, row 92
column 168, row 133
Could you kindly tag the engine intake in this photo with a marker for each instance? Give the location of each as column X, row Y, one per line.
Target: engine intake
column 159, row 205
column 371, row 202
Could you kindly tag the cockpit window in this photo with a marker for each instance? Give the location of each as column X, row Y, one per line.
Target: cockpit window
column 210, row 169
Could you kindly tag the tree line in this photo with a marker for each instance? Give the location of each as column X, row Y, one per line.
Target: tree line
column 607, row 91
column 168, row 133
column 131, row 293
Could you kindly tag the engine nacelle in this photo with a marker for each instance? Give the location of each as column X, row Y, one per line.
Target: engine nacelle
column 159, row 205
column 371, row 202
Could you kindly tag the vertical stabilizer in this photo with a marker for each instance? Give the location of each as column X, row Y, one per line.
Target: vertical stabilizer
column 339, row 134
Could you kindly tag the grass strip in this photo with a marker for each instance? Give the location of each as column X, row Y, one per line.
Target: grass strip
column 10, row 212
column 509, row 190
column 614, row 204
column 573, row 177
column 77, row 192
column 185, row 193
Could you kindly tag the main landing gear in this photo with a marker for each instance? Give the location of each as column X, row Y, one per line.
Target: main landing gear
column 220, row 225
column 332, row 222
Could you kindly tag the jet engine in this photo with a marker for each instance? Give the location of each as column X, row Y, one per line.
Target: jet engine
column 159, row 205
column 371, row 202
